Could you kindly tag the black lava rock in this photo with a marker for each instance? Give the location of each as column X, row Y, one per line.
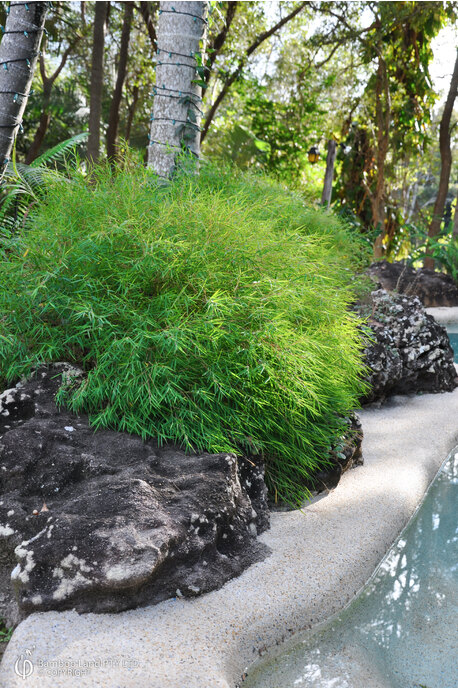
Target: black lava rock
column 344, row 456
column 102, row 521
column 409, row 352
column 433, row 289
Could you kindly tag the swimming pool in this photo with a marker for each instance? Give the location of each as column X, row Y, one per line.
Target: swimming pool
column 401, row 630
column 452, row 330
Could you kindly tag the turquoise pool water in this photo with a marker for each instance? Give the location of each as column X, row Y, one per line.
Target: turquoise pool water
column 401, row 631
column 452, row 331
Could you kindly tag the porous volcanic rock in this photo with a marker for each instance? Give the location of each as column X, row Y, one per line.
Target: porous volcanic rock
column 410, row 352
column 101, row 521
column 344, row 456
column 433, row 289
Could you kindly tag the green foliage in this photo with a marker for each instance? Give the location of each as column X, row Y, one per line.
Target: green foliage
column 24, row 184
column 447, row 256
column 286, row 132
column 63, row 106
column 443, row 248
column 210, row 312
column 404, row 34
column 5, row 633
column 397, row 45
column 270, row 123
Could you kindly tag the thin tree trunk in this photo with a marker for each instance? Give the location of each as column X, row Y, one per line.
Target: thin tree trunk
column 48, row 83
column 175, row 122
column 113, row 119
column 131, row 112
column 220, row 39
column 330, row 160
column 19, row 51
column 412, row 202
column 96, row 88
column 446, row 164
column 144, row 9
column 45, row 119
column 383, row 116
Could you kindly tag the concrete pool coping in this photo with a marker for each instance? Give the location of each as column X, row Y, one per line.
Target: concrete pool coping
column 444, row 315
column 321, row 558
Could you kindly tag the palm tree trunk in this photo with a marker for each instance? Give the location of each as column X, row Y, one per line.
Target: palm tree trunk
column 18, row 56
column 446, row 163
column 113, row 118
column 175, row 123
column 96, row 88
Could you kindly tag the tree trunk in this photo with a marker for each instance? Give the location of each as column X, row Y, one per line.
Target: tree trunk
column 175, row 122
column 131, row 112
column 330, row 160
column 113, row 119
column 45, row 119
column 383, row 116
column 412, row 202
column 446, row 164
column 96, row 88
column 18, row 56
column 48, row 83
column 148, row 19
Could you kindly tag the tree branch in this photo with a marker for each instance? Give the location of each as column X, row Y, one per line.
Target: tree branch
column 320, row 64
column 41, row 62
column 267, row 34
column 143, row 8
column 237, row 72
column 64, row 59
column 220, row 39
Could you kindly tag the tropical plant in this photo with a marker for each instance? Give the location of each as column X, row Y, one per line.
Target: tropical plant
column 442, row 248
column 23, row 185
column 446, row 166
column 209, row 312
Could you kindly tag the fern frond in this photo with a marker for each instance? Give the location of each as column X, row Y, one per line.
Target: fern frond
column 57, row 153
column 23, row 184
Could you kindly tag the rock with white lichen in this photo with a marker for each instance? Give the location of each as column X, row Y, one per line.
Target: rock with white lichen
column 101, row 521
column 409, row 352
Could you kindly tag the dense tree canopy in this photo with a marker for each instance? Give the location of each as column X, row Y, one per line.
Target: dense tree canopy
column 277, row 78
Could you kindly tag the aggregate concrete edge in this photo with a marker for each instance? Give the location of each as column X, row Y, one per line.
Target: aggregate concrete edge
column 321, row 558
column 444, row 315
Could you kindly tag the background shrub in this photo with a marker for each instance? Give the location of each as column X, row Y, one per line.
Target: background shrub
column 210, row 312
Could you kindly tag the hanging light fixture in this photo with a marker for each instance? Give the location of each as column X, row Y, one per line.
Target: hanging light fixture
column 313, row 155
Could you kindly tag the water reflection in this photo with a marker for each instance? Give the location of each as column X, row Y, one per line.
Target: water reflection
column 401, row 631
column 453, row 335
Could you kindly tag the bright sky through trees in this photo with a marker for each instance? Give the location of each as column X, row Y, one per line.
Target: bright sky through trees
column 444, row 47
